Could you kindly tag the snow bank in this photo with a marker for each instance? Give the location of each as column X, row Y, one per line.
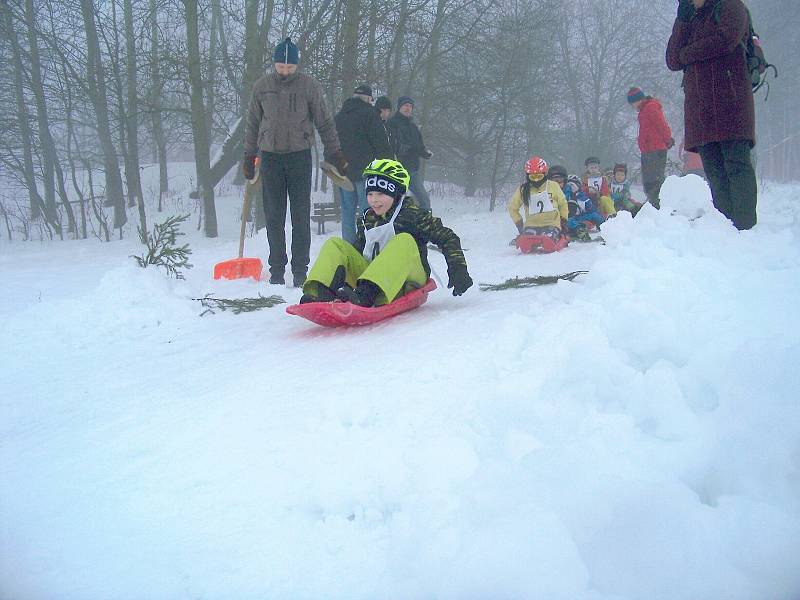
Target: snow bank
column 631, row 434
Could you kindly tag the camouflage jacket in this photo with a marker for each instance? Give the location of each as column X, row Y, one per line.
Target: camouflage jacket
column 422, row 226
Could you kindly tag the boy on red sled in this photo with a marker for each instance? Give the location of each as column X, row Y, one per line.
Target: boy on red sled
column 390, row 254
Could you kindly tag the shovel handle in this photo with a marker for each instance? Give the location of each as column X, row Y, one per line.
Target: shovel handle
column 246, row 204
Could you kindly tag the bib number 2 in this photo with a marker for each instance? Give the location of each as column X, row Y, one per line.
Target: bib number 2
column 541, row 203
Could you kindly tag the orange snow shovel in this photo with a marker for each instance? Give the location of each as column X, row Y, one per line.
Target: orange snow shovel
column 240, row 268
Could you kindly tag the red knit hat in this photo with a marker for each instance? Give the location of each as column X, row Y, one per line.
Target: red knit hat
column 635, row 94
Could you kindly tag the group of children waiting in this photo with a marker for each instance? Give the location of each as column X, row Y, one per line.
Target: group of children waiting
column 557, row 204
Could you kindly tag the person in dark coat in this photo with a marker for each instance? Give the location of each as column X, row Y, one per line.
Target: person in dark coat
column 409, row 147
column 383, row 106
column 655, row 138
column 363, row 139
column 707, row 44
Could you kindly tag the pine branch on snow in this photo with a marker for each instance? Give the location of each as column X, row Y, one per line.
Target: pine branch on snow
column 237, row 305
column 525, row 282
column 162, row 248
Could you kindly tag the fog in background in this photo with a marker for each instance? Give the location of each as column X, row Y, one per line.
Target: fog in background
column 97, row 91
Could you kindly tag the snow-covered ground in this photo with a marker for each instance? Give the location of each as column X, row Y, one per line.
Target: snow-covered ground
column 632, row 434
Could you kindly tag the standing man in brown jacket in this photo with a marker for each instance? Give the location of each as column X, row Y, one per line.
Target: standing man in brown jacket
column 707, row 44
column 285, row 107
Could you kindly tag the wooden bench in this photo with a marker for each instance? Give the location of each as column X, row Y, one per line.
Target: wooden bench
column 325, row 211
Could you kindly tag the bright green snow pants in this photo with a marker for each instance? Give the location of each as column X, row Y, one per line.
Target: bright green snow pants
column 395, row 270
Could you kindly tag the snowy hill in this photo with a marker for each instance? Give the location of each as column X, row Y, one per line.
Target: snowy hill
column 632, row 434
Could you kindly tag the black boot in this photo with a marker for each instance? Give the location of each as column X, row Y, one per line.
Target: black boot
column 323, row 294
column 277, row 279
column 364, row 295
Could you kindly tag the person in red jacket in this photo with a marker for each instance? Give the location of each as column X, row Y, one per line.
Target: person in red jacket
column 655, row 138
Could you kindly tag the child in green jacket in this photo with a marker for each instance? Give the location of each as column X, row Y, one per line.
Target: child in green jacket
column 390, row 254
column 621, row 190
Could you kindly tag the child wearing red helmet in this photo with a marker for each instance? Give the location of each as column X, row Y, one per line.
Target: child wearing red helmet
column 545, row 207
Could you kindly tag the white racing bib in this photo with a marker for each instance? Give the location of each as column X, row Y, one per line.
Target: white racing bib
column 540, row 203
column 616, row 188
column 595, row 183
column 379, row 236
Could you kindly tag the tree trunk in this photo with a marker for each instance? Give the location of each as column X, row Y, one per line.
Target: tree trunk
column 395, row 54
column 372, row 74
column 37, row 206
column 97, row 93
column 132, row 121
column 45, row 139
column 430, row 74
column 200, row 134
column 352, row 16
column 155, row 105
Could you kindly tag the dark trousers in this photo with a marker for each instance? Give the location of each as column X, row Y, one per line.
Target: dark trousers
column 732, row 179
column 653, row 166
column 283, row 174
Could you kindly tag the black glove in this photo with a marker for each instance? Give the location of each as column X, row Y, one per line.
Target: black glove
column 458, row 279
column 249, row 166
column 685, row 10
column 426, row 153
column 338, row 160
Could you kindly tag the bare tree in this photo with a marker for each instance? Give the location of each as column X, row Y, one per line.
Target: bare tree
column 97, row 93
column 201, row 140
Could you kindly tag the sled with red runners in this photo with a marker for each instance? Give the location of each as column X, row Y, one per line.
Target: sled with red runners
column 530, row 243
column 343, row 314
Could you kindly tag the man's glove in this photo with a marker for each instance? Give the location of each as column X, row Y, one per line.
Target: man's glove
column 249, row 166
column 338, row 160
column 458, row 279
column 685, row 10
column 426, row 153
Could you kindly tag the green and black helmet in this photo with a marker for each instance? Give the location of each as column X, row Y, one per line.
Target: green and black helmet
column 391, row 169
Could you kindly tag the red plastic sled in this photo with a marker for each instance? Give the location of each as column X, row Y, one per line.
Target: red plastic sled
column 338, row 314
column 540, row 244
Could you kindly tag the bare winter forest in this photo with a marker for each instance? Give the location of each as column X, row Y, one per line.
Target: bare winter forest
column 97, row 91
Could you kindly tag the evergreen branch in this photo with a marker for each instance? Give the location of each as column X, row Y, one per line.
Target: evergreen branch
column 525, row 282
column 237, row 305
column 162, row 248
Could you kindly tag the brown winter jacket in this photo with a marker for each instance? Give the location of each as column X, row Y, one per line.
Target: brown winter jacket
column 283, row 114
column 718, row 104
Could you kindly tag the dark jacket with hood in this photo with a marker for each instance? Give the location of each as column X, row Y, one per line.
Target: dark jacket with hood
column 407, row 139
column 709, row 48
column 362, row 136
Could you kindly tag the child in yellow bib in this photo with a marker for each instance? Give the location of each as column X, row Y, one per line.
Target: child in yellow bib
column 543, row 201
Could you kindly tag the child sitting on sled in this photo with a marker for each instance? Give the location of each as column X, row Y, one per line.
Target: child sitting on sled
column 596, row 187
column 621, row 190
column 582, row 211
column 544, row 202
column 579, row 207
column 390, row 254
